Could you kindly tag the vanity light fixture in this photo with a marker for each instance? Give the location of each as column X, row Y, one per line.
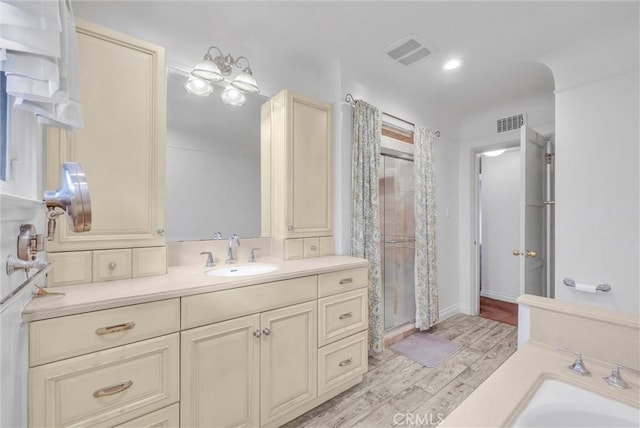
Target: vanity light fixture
column 452, row 64
column 199, row 87
column 216, row 69
column 233, row 97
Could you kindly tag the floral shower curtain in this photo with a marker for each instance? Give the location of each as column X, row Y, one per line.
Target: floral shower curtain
column 426, row 258
column 365, row 217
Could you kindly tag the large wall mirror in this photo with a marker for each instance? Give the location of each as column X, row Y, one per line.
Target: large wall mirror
column 213, row 164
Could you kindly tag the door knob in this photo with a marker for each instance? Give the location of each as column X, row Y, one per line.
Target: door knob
column 257, row 333
column 516, row 253
column 531, row 253
column 266, row 331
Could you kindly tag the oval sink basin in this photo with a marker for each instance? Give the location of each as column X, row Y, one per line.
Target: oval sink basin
column 242, row 270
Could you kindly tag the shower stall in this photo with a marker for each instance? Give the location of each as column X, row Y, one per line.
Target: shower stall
column 397, row 238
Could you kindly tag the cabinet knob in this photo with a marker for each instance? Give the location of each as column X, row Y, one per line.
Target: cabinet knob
column 160, row 231
column 113, row 266
column 313, row 248
column 257, row 333
column 266, row 331
column 290, row 228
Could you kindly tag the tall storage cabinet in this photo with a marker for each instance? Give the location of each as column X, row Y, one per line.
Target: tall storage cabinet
column 122, row 151
column 297, row 159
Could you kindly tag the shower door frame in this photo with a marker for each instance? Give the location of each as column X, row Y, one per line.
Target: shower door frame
column 396, row 154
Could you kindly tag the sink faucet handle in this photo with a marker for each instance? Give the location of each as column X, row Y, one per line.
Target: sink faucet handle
column 252, row 255
column 209, row 262
column 578, row 365
column 217, row 235
column 615, row 379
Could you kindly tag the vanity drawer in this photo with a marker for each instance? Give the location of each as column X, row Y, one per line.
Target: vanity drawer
column 222, row 305
column 108, row 387
column 311, row 247
column 64, row 337
column 149, row 261
column 342, row 361
column 70, row 268
column 341, row 315
column 110, row 265
column 344, row 280
column 169, row 417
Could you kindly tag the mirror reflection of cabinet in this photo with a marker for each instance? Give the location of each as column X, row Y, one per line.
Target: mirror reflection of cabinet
column 297, row 159
column 122, row 150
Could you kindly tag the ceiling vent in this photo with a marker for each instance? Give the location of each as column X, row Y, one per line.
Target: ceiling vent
column 409, row 50
column 510, row 123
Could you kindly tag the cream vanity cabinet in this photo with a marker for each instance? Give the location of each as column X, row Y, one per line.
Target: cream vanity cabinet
column 252, row 356
column 297, row 159
column 122, row 151
column 106, row 368
column 256, row 361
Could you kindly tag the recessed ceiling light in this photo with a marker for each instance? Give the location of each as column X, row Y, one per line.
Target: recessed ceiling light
column 452, row 64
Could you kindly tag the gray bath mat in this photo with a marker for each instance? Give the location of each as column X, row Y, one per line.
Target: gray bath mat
column 426, row 349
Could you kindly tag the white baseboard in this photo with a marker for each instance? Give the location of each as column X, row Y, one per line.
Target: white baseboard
column 498, row 296
column 449, row 312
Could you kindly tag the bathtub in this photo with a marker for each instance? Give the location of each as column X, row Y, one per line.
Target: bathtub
column 559, row 404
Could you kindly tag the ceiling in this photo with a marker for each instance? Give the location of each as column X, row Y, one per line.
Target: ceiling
column 503, row 44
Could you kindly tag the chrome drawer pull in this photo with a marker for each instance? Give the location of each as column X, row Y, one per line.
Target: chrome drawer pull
column 115, row 328
column 346, row 281
column 345, row 316
column 110, row 390
column 345, row 362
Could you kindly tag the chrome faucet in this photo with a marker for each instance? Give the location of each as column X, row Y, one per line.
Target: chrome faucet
column 209, row 262
column 233, row 240
column 252, row 255
column 614, row 379
column 578, row 365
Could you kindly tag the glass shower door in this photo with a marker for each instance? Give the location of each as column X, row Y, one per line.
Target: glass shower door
column 397, row 240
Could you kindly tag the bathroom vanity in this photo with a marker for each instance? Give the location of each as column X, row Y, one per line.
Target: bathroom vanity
column 190, row 349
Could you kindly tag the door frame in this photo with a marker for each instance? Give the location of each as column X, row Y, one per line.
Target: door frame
column 474, row 158
column 476, row 153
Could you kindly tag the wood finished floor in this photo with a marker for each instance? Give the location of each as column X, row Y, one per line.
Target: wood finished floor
column 396, row 385
column 498, row 310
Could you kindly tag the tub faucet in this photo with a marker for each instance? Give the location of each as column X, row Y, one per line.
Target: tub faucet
column 578, row 365
column 233, row 241
column 614, row 379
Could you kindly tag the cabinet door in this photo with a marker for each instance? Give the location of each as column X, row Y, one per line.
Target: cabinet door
column 220, row 381
column 309, row 195
column 289, row 359
column 122, row 145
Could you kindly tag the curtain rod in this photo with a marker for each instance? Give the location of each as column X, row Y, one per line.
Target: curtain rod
column 352, row 101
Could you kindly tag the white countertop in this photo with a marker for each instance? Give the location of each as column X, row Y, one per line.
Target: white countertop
column 178, row 282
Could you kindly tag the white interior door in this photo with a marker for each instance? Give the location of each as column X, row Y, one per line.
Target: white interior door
column 532, row 209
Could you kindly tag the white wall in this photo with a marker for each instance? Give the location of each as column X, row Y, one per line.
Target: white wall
column 597, row 190
column 479, row 131
column 500, row 202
